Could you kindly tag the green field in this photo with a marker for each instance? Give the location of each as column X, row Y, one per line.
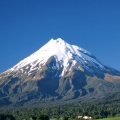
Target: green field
column 116, row 118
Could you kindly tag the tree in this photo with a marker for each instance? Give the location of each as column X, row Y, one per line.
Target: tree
column 42, row 117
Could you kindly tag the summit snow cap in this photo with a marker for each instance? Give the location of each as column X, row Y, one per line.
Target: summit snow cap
column 64, row 54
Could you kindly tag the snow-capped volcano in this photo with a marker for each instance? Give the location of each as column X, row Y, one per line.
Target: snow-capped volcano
column 64, row 53
column 58, row 70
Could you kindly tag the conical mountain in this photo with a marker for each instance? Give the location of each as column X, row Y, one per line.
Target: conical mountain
column 58, row 71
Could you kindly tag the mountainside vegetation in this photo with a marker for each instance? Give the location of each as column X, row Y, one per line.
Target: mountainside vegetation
column 103, row 108
column 114, row 118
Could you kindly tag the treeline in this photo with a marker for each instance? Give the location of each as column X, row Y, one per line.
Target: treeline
column 32, row 117
column 6, row 117
column 96, row 110
column 107, row 107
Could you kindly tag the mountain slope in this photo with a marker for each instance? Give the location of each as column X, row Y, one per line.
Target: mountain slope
column 58, row 71
column 64, row 53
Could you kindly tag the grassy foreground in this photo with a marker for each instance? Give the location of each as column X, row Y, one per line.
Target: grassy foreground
column 115, row 118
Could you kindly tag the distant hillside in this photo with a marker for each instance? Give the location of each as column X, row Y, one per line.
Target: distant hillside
column 112, row 99
column 102, row 108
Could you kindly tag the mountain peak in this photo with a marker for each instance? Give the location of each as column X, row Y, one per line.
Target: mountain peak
column 58, row 40
column 65, row 55
column 55, row 42
column 63, row 52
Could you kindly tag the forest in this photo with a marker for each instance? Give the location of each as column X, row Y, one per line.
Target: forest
column 103, row 108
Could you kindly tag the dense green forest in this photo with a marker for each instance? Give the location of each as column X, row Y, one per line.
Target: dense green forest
column 107, row 107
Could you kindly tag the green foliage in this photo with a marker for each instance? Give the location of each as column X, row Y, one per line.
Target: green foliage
column 64, row 118
column 104, row 108
column 42, row 117
column 6, row 117
column 116, row 118
column 32, row 118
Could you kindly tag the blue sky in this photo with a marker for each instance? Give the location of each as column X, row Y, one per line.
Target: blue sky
column 26, row 25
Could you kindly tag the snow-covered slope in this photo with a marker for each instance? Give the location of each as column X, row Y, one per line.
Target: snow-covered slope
column 63, row 52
